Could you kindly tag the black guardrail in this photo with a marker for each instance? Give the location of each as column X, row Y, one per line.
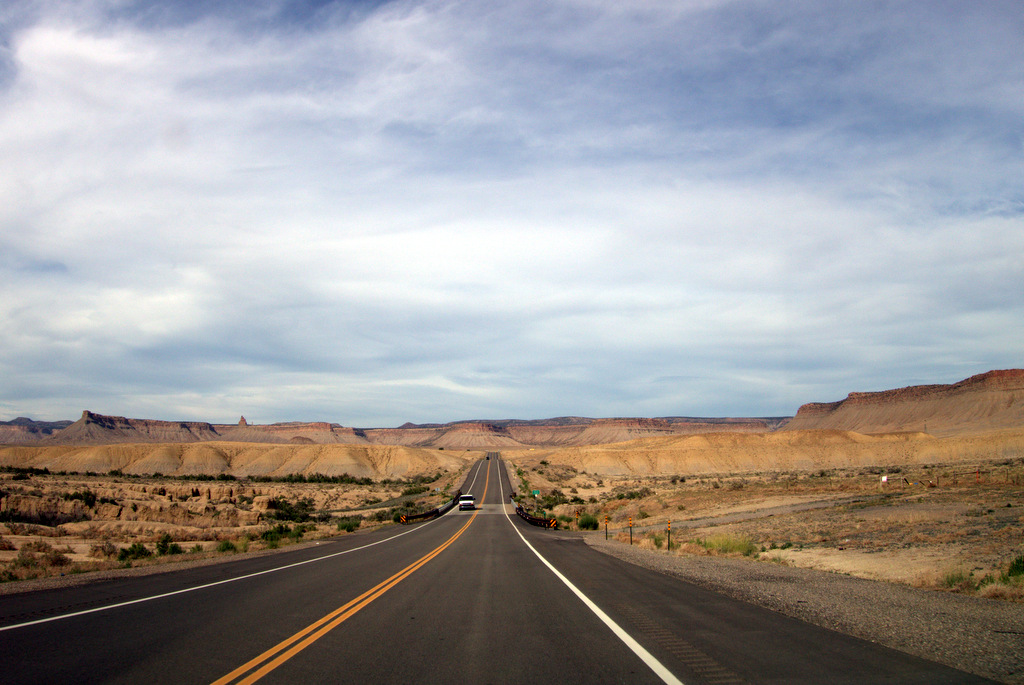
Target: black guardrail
column 536, row 520
column 433, row 513
column 451, row 503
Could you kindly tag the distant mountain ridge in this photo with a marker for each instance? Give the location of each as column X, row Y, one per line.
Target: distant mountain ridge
column 23, row 429
column 99, row 429
column 989, row 401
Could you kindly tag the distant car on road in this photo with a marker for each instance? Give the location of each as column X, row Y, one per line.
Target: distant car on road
column 467, row 502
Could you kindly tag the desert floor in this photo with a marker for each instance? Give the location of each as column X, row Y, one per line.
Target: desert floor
column 956, row 527
column 57, row 525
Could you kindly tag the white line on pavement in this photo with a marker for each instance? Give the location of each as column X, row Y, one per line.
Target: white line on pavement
column 659, row 669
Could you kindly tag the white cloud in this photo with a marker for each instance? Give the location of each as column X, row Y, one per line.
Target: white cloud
column 442, row 210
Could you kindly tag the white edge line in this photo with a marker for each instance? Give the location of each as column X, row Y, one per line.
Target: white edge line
column 659, row 669
column 203, row 587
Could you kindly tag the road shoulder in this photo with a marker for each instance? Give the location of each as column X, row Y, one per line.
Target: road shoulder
column 978, row 635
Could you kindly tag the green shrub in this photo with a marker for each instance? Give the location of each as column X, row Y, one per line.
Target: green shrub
column 350, row 523
column 958, row 579
column 273, row 535
column 88, row 497
column 729, row 544
column 55, row 558
column 1016, row 567
column 226, row 546
column 136, row 551
column 588, row 522
column 283, row 510
column 25, row 559
column 163, row 545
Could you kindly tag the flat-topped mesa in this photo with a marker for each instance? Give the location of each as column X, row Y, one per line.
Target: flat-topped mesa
column 313, row 432
column 93, row 429
column 988, row 401
column 291, row 427
column 474, row 427
column 646, row 424
column 122, row 422
column 818, row 408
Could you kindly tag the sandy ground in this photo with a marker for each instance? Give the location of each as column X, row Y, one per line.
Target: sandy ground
column 906, row 530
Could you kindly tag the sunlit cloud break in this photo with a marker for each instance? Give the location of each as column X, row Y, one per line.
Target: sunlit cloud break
column 373, row 213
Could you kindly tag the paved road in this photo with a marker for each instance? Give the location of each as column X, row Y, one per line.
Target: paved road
column 473, row 597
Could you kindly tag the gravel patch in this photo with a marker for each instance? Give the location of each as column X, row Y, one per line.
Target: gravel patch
column 981, row 636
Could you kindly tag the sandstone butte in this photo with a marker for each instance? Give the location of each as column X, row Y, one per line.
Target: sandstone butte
column 980, row 417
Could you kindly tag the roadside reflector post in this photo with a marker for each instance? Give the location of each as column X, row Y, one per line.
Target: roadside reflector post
column 606, row 526
column 670, row 535
column 631, row 531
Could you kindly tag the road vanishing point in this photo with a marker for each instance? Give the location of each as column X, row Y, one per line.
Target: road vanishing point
column 471, row 597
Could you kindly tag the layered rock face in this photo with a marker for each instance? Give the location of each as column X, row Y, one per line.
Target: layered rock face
column 98, row 429
column 986, row 402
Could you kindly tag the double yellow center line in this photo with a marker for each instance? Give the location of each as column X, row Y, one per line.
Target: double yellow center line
column 283, row 651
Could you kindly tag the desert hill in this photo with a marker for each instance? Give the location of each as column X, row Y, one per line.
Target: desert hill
column 236, row 459
column 781, row 451
column 986, row 402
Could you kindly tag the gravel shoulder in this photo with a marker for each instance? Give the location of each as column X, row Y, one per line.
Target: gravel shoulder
column 981, row 636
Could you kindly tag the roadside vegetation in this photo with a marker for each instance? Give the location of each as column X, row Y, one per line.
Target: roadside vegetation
column 948, row 527
column 63, row 523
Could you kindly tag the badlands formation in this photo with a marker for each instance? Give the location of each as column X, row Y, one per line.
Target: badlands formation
column 978, row 418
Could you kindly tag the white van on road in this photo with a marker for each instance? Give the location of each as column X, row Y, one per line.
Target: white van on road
column 467, row 502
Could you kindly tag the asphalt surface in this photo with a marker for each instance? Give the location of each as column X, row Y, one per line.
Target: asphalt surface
column 463, row 598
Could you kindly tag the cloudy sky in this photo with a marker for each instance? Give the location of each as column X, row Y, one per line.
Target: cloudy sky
column 379, row 212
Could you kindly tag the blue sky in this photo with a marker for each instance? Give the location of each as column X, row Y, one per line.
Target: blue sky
column 379, row 212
